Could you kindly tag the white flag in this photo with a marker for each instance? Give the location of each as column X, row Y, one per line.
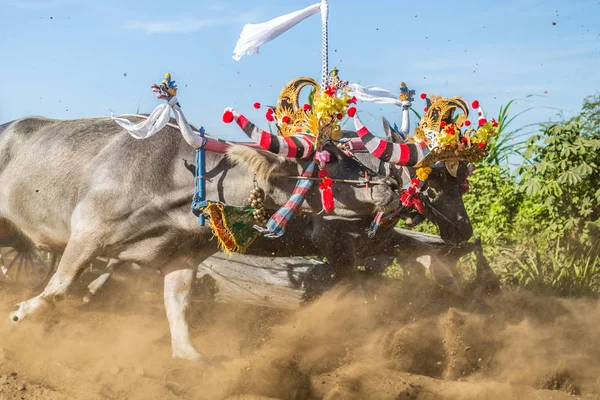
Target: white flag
column 374, row 94
column 255, row 35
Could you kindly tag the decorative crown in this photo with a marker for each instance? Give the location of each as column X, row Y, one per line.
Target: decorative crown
column 320, row 117
column 442, row 131
column 166, row 89
column 405, row 93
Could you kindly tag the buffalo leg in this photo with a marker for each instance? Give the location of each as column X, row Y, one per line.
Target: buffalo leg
column 100, row 281
column 76, row 256
column 177, row 288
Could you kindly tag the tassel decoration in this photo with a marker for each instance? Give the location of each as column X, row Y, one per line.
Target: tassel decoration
column 327, row 195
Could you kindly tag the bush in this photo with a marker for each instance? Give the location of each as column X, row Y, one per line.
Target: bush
column 540, row 224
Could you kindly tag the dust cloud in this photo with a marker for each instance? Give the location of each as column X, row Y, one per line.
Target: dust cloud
column 414, row 342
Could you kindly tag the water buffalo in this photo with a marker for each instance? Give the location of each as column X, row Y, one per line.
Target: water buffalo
column 86, row 188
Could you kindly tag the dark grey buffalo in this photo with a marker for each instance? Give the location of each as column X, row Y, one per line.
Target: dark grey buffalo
column 87, row 188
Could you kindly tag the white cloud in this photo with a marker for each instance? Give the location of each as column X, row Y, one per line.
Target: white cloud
column 186, row 24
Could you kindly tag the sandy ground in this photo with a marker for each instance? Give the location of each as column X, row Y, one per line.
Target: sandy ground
column 414, row 342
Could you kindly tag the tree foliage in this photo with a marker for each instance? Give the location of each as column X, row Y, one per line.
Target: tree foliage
column 561, row 178
column 540, row 223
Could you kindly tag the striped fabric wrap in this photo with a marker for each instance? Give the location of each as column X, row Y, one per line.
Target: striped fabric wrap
column 278, row 221
column 394, row 153
column 297, row 146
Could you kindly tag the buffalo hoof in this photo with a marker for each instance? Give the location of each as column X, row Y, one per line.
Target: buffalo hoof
column 26, row 309
column 192, row 356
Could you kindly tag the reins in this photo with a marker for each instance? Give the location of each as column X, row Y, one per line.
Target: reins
column 351, row 181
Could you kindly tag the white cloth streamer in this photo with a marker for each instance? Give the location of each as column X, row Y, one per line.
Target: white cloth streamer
column 374, row 94
column 255, row 35
column 157, row 120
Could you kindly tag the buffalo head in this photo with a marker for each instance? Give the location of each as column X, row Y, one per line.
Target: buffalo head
column 440, row 195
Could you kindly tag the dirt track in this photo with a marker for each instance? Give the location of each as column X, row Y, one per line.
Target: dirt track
column 412, row 344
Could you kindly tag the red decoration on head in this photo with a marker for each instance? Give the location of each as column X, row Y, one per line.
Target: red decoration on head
column 467, row 123
column 423, row 96
column 339, row 116
column 331, row 91
column 269, row 116
column 285, row 119
column 307, row 107
column 228, row 117
column 352, row 112
column 443, row 124
column 475, row 104
column 257, row 105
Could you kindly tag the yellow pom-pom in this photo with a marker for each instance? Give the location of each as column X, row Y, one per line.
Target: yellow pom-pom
column 423, row 173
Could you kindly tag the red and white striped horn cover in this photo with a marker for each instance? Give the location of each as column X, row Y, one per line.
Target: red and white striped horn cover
column 394, row 153
column 297, row 146
column 481, row 120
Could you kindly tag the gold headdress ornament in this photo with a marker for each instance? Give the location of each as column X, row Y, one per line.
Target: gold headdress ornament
column 441, row 130
column 320, row 117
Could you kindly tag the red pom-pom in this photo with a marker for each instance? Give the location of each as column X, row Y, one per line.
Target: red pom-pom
column 464, row 140
column 467, row 123
column 475, row 104
column 352, row 112
column 257, row 105
column 307, row 107
column 339, row 116
column 481, row 145
column 423, row 96
column 269, row 117
column 415, row 181
column 323, row 174
column 425, row 109
column 270, row 111
column 285, row 119
column 228, row 117
column 353, row 100
column 443, row 124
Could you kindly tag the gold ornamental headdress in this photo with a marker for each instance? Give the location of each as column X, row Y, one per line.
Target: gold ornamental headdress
column 320, row 117
column 441, row 130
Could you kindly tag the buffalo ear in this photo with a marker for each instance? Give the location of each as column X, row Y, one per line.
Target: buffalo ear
column 452, row 167
column 391, row 134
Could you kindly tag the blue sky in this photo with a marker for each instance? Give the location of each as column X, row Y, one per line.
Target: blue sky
column 70, row 58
